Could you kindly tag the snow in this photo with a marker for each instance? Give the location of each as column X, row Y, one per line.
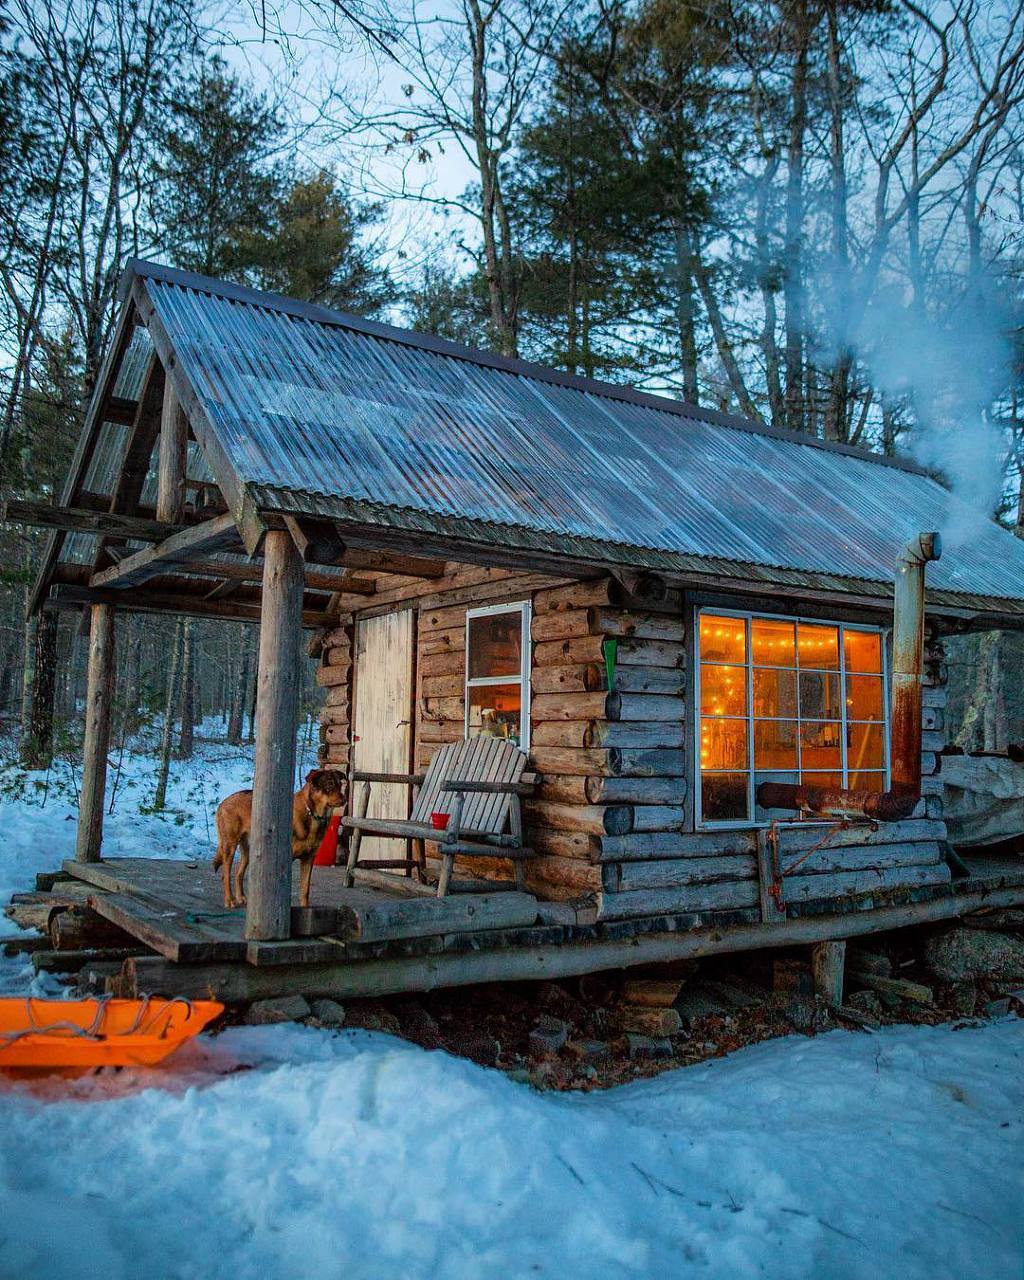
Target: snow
column 293, row 1152
column 356, row 1155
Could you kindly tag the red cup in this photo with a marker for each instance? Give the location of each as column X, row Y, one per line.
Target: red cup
column 439, row 821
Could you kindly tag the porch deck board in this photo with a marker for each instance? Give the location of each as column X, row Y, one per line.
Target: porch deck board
column 176, row 909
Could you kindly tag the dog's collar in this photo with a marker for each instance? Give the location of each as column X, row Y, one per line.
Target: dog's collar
column 318, row 820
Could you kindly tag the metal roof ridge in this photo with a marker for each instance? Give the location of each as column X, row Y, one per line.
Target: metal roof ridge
column 315, row 312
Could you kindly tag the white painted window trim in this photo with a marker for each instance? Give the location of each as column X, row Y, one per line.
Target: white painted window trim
column 748, row 824
column 525, row 609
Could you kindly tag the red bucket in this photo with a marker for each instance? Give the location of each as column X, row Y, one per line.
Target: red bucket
column 439, row 821
column 327, row 854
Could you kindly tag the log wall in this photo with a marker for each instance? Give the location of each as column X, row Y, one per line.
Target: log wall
column 612, row 820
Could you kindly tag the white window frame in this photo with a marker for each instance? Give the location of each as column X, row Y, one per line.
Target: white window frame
column 751, row 823
column 525, row 609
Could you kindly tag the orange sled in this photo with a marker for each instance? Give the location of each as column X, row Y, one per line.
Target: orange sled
column 81, row 1035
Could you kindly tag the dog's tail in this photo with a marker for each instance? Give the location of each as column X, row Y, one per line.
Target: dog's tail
column 218, row 857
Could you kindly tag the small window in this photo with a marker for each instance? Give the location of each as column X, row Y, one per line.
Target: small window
column 786, row 700
column 498, row 673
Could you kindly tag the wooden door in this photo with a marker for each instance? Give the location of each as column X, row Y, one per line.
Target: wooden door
column 382, row 725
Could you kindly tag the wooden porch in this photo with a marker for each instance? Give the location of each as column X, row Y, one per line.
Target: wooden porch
column 376, row 939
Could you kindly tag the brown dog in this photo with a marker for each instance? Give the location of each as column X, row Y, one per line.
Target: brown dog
column 324, row 790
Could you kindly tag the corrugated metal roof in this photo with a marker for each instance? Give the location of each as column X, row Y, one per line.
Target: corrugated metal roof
column 314, row 407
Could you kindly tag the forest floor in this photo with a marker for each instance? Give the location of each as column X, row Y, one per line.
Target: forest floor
column 300, row 1151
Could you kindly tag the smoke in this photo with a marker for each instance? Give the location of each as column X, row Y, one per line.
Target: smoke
column 951, row 372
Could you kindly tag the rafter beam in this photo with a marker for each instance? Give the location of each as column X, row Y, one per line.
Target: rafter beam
column 175, row 552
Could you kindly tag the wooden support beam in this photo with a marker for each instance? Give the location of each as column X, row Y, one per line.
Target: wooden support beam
column 99, row 695
column 42, row 515
column 268, row 910
column 218, row 534
column 171, row 468
column 188, row 606
column 827, row 961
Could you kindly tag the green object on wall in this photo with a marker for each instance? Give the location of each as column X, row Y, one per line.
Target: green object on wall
column 610, row 649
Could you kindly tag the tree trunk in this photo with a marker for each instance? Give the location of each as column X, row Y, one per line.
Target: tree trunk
column 237, row 714
column 686, row 313
column 793, row 283
column 40, row 738
column 186, row 738
column 28, row 684
column 160, row 798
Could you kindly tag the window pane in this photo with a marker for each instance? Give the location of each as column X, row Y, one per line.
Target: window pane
column 820, row 747
column 864, row 698
column 819, row 696
column 772, row 643
column 822, row 779
column 775, row 693
column 865, row 781
column 866, row 749
column 722, row 639
column 819, row 647
column 723, row 796
column 723, row 691
column 495, row 711
column 863, row 650
column 723, row 744
column 495, row 645
column 774, row 744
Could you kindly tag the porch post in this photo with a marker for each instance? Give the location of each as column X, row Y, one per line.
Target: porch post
column 268, row 884
column 99, row 694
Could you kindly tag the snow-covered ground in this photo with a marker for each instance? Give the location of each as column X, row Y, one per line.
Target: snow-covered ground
column 292, row 1152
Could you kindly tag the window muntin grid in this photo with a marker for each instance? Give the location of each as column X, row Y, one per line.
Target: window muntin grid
column 785, row 699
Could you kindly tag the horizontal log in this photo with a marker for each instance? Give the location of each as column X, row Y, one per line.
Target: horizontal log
column 641, row 763
column 655, row 902
column 579, row 595
column 337, row 734
column 432, row 687
column 337, row 696
column 933, row 718
column 449, row 662
column 44, row 515
column 419, row 917
column 628, row 624
column 639, row 846
column 329, row 677
column 337, row 656
column 636, row 734
column 647, row 707
column 574, row 760
column 931, row 763
column 437, row 731
column 559, row 625
column 933, row 697
column 587, row 819
column 793, row 839
column 838, row 884
column 587, row 678
column 564, row 788
column 560, row 733
column 575, row 706
column 333, row 753
column 679, row 872
column 449, row 640
column 442, row 619
column 562, row 844
column 443, row 708
column 671, row 680
column 634, row 653
column 641, row 791
column 659, row 817
column 932, row 740
column 899, row 987
column 337, row 638
column 243, row 982
column 865, row 857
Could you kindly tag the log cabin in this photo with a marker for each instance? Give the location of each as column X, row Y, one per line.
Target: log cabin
column 719, row 643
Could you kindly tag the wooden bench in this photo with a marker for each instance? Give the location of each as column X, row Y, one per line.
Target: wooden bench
column 479, row 782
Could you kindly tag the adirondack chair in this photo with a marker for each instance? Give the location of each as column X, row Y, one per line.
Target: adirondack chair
column 479, row 783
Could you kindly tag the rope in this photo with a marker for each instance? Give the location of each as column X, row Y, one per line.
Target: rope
column 93, row 1030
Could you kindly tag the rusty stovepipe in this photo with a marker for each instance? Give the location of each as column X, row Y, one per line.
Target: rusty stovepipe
column 905, row 722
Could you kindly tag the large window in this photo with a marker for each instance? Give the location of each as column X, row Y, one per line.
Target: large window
column 786, row 700
column 498, row 673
